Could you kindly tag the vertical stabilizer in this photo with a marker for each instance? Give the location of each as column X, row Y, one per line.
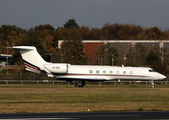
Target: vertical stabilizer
column 31, row 57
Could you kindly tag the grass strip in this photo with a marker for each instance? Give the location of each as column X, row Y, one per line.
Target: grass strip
column 67, row 98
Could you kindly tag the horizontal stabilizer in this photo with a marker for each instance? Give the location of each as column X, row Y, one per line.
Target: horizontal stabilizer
column 23, row 47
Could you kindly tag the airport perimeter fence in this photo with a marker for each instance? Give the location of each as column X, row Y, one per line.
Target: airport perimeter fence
column 58, row 82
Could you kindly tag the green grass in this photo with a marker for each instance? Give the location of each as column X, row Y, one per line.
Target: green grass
column 67, row 98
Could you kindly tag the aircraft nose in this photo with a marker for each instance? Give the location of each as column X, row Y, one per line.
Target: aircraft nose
column 162, row 76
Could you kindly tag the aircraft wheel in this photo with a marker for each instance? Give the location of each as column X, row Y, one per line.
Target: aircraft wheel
column 80, row 83
column 76, row 85
column 153, row 86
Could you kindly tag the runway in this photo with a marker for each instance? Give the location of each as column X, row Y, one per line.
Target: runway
column 88, row 116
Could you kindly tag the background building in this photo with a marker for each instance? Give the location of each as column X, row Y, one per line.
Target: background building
column 123, row 47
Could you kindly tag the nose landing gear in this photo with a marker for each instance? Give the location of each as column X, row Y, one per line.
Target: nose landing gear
column 152, row 84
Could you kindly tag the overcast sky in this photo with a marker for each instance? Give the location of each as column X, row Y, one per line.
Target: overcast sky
column 92, row 13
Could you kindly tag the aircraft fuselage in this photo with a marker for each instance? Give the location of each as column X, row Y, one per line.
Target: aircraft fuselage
column 88, row 72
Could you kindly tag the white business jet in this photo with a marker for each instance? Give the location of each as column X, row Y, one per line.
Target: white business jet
column 81, row 73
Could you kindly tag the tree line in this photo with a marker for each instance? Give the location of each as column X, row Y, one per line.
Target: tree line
column 45, row 39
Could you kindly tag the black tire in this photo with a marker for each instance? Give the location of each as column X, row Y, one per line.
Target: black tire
column 76, row 85
column 83, row 83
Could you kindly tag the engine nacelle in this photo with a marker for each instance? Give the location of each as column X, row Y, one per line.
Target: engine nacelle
column 56, row 68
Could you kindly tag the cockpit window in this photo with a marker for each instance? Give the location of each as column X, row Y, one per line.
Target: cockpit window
column 151, row 70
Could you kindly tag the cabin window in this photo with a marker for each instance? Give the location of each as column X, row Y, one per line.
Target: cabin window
column 111, row 72
column 90, row 71
column 97, row 71
column 104, row 71
column 131, row 72
column 124, row 72
column 117, row 72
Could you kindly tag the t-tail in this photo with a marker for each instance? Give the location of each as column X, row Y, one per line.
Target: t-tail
column 35, row 63
column 32, row 60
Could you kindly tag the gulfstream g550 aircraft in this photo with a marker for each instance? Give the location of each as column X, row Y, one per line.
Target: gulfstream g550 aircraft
column 81, row 73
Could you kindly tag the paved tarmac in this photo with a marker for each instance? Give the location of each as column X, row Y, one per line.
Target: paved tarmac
column 88, row 116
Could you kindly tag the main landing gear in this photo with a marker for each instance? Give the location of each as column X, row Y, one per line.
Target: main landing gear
column 152, row 84
column 80, row 83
